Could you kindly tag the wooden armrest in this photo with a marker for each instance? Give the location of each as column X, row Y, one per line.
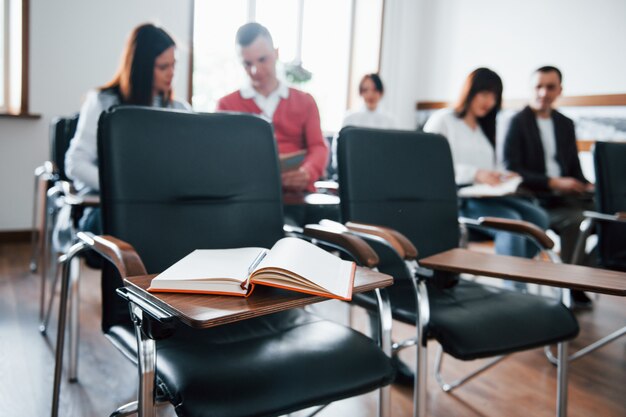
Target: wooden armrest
column 357, row 247
column 120, row 253
column 518, row 226
column 397, row 240
column 74, row 199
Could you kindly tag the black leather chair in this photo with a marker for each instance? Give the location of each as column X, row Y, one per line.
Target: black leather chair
column 608, row 222
column 405, row 181
column 57, row 203
column 62, row 129
column 172, row 182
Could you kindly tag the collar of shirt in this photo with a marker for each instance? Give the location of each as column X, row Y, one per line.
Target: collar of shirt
column 267, row 104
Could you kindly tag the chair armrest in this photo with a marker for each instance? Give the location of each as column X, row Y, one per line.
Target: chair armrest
column 397, row 240
column 620, row 216
column 74, row 199
column 327, row 186
column 118, row 252
column 514, row 226
column 47, row 171
column 362, row 252
column 153, row 310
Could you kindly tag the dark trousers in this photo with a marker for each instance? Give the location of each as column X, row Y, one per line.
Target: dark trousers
column 566, row 214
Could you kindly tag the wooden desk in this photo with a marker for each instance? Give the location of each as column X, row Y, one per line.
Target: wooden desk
column 536, row 272
column 203, row 310
column 575, row 277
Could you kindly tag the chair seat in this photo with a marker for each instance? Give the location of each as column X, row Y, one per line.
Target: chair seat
column 257, row 366
column 501, row 321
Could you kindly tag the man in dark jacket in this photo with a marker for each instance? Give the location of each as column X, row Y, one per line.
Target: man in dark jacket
column 540, row 145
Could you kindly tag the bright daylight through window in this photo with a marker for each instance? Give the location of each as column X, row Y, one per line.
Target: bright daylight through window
column 336, row 41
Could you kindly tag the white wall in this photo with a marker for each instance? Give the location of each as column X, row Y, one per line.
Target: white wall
column 584, row 38
column 75, row 45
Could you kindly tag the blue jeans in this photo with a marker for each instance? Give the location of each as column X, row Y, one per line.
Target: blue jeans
column 515, row 208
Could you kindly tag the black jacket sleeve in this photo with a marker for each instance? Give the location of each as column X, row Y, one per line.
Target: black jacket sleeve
column 518, row 155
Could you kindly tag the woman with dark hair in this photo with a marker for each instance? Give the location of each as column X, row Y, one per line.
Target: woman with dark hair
column 470, row 128
column 371, row 90
column 143, row 78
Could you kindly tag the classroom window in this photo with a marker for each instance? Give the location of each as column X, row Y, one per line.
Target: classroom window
column 337, row 41
column 11, row 55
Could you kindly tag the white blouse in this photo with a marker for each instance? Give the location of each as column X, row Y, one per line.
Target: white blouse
column 471, row 150
column 376, row 119
column 81, row 159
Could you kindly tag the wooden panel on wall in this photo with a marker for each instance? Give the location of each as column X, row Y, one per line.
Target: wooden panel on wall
column 571, row 101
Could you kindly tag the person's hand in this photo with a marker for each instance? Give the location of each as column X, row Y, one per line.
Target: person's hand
column 590, row 188
column 485, row 176
column 296, row 180
column 567, row 185
column 508, row 175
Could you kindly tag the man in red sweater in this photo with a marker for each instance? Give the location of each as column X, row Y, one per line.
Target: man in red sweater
column 293, row 113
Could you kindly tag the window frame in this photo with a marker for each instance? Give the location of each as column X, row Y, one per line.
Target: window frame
column 23, row 109
column 251, row 7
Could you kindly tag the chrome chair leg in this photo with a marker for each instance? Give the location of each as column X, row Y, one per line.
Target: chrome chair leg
column 46, row 254
column 44, row 258
column 561, row 381
column 589, row 348
column 74, row 319
column 126, row 410
column 421, row 358
column 65, row 283
column 146, row 366
column 43, row 327
column 384, row 332
column 35, row 236
column 448, row 387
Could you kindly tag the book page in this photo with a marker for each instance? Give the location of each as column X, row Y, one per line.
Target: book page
column 205, row 268
column 320, row 270
column 483, row 190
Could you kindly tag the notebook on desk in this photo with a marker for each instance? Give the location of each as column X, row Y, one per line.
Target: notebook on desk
column 292, row 264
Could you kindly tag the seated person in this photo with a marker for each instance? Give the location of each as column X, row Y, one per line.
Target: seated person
column 144, row 78
column 371, row 90
column 293, row 113
column 470, row 128
column 541, row 146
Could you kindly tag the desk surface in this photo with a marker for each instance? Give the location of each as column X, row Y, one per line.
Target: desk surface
column 203, row 310
column 575, row 277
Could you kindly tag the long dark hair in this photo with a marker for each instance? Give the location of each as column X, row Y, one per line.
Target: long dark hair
column 134, row 78
column 481, row 79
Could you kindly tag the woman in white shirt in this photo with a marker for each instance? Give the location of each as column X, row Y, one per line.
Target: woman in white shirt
column 470, row 128
column 144, row 78
column 371, row 90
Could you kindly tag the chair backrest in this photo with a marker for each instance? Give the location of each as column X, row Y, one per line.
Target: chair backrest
column 173, row 181
column 62, row 130
column 610, row 168
column 400, row 179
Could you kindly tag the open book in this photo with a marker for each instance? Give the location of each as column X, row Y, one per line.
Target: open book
column 483, row 190
column 292, row 264
column 291, row 161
